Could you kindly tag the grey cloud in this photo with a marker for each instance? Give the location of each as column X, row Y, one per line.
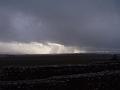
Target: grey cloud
column 84, row 23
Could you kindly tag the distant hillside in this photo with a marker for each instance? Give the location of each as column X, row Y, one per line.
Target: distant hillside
column 47, row 59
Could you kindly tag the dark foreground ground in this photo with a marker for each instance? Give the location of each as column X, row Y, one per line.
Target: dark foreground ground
column 57, row 72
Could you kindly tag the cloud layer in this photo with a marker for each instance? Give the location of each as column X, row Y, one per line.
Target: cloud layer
column 93, row 24
column 36, row 48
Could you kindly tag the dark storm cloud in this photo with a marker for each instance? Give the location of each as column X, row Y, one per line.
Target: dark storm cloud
column 84, row 23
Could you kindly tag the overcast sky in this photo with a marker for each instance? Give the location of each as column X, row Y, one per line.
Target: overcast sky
column 81, row 23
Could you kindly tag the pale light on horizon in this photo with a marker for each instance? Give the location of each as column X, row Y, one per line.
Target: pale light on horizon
column 36, row 48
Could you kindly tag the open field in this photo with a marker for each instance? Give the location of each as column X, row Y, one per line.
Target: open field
column 56, row 72
column 52, row 59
